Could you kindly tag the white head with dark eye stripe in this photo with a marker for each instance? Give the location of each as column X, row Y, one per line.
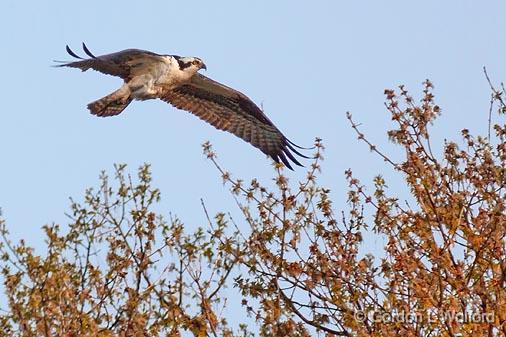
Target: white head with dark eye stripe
column 190, row 64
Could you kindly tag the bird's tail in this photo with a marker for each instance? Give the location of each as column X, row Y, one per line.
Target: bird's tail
column 112, row 104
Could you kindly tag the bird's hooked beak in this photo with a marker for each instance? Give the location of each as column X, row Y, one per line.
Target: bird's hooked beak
column 203, row 66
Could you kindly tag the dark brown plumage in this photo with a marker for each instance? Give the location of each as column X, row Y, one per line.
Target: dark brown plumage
column 229, row 110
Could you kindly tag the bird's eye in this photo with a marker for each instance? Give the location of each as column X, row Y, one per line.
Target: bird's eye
column 195, row 62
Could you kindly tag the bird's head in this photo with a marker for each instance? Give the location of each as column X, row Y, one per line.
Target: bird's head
column 190, row 64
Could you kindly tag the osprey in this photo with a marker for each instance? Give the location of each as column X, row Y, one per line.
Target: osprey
column 175, row 80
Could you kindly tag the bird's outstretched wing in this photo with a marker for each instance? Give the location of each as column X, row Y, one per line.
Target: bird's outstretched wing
column 229, row 110
column 124, row 64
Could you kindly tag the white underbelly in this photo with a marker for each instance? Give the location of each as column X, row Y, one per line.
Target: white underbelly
column 158, row 78
column 143, row 87
column 147, row 87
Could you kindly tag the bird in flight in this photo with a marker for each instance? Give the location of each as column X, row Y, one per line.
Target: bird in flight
column 176, row 80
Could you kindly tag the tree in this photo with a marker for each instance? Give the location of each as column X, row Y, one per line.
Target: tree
column 119, row 268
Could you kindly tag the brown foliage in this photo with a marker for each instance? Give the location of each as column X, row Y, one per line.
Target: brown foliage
column 122, row 269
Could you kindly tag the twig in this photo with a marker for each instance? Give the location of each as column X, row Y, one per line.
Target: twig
column 371, row 145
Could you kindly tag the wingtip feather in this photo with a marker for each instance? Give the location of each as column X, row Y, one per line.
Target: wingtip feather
column 71, row 53
column 300, row 147
column 292, row 158
column 289, row 146
column 88, row 52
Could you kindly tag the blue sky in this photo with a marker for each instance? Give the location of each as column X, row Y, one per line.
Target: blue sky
column 306, row 62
